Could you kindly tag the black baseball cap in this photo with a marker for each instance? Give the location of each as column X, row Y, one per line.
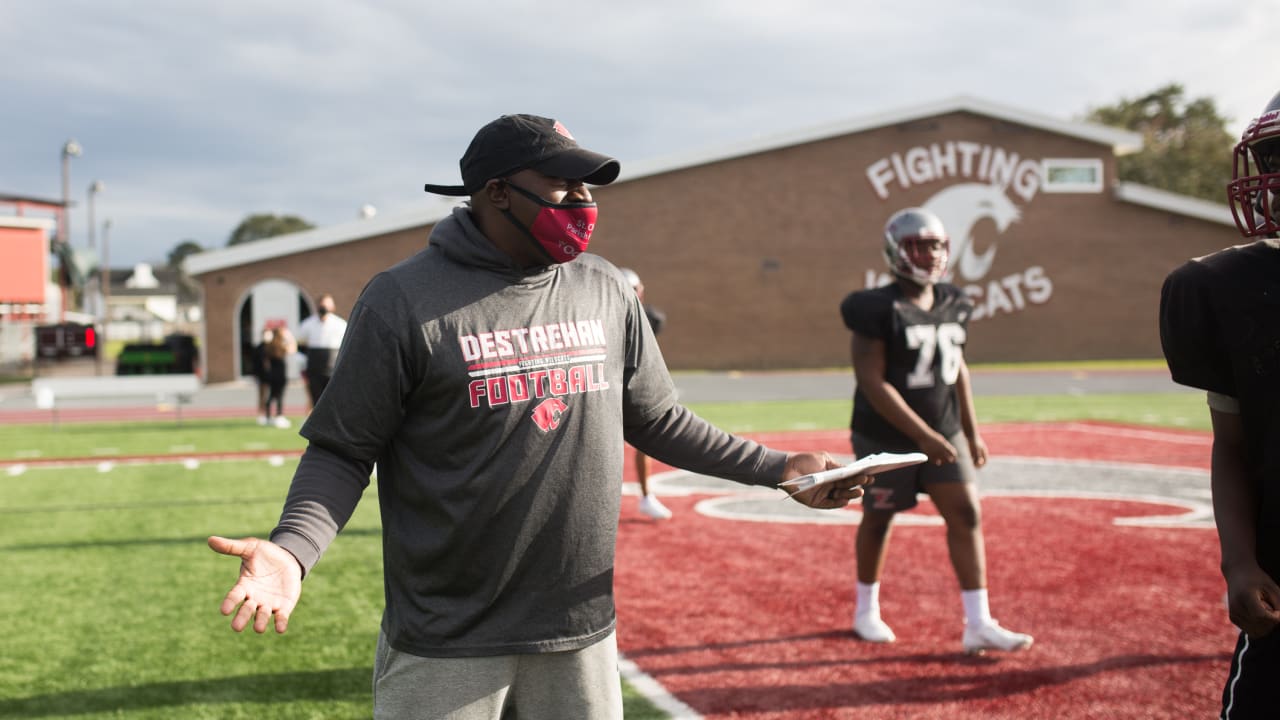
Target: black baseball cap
column 520, row 142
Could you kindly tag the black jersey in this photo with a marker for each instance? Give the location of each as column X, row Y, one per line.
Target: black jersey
column 1220, row 331
column 923, row 353
column 657, row 318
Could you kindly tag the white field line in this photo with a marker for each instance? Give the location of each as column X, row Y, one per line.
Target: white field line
column 1131, row 433
column 654, row 692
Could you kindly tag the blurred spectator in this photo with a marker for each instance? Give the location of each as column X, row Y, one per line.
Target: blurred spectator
column 261, row 373
column 281, row 346
column 320, row 336
column 649, row 504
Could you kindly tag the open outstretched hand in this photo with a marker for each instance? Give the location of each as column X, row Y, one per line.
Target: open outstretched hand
column 270, row 583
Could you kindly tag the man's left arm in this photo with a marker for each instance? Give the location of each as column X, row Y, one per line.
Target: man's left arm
column 681, row 439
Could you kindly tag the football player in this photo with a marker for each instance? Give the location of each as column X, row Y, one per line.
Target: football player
column 913, row 395
column 1220, row 331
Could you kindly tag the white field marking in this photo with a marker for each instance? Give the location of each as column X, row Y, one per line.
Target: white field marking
column 1117, row 431
column 16, row 470
column 130, row 462
column 663, row 484
column 654, row 692
column 727, row 507
column 275, row 461
column 191, row 464
column 182, row 448
column 1193, row 515
column 1114, row 464
column 106, row 466
column 720, row 508
column 28, row 454
column 105, row 451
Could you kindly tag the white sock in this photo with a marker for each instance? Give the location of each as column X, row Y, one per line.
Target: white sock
column 868, row 599
column 977, row 611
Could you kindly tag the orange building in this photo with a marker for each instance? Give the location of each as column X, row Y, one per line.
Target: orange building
column 26, row 297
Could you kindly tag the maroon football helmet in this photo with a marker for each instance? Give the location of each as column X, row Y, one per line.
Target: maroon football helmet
column 1255, row 175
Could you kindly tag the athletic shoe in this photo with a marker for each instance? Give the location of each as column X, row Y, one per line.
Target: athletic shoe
column 653, row 507
column 990, row 636
column 262, row 420
column 869, row 627
column 281, row 421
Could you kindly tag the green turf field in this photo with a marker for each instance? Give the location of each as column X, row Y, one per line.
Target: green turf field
column 28, row 442
column 110, row 594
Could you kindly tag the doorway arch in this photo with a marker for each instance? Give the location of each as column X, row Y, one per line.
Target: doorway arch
column 269, row 303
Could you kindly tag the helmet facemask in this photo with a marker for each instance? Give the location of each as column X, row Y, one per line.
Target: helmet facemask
column 1254, row 190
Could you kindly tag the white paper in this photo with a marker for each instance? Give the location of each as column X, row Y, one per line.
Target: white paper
column 879, row 462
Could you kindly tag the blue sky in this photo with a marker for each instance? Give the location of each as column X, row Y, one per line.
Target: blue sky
column 195, row 115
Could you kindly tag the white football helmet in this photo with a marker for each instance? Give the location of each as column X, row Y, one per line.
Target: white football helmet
column 916, row 246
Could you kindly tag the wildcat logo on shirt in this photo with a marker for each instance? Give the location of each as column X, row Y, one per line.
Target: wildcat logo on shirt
column 548, row 413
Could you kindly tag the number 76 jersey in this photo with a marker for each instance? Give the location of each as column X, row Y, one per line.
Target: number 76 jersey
column 923, row 353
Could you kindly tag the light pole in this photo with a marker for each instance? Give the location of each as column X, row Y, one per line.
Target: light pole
column 104, row 279
column 94, row 188
column 70, row 149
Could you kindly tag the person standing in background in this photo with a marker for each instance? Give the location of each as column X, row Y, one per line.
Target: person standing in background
column 261, row 373
column 913, row 395
column 649, row 504
column 320, row 336
column 282, row 345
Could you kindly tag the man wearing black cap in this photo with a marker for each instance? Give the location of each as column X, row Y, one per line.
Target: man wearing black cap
column 493, row 379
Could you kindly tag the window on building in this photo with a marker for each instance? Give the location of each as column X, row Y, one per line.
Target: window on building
column 1072, row 175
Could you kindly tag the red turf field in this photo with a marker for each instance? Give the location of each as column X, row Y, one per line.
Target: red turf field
column 750, row 620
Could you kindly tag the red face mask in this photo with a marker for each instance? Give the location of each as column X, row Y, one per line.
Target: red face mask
column 561, row 230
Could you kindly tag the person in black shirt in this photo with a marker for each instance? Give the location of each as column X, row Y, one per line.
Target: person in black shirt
column 262, row 374
column 1220, row 332
column 913, row 395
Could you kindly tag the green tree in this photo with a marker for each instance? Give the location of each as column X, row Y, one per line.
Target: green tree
column 260, row 226
column 188, row 290
column 1186, row 146
column 182, row 251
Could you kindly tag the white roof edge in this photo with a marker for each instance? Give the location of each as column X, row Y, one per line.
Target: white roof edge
column 1173, row 202
column 281, row 245
column 27, row 222
column 1122, row 142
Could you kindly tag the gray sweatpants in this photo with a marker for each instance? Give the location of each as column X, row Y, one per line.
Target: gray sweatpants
column 549, row 686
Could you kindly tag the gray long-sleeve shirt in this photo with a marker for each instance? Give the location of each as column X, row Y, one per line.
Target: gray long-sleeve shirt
column 495, row 402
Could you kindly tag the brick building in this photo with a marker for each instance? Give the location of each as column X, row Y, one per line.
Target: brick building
column 749, row 249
